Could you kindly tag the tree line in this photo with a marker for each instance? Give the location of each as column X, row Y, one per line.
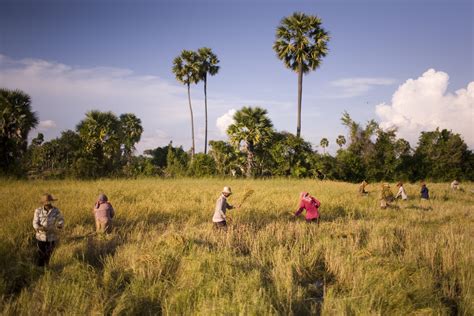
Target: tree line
column 102, row 145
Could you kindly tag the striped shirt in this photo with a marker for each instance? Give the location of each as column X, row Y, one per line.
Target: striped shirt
column 46, row 222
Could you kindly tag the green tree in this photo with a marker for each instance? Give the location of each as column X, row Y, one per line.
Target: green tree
column 443, row 155
column 225, row 157
column 324, row 144
column 186, row 68
column 253, row 128
column 16, row 121
column 131, row 130
column 341, row 141
column 301, row 43
column 208, row 65
column 202, row 166
column 101, row 135
column 291, row 155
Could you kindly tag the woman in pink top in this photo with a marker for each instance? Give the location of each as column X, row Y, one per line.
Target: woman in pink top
column 104, row 212
column 311, row 205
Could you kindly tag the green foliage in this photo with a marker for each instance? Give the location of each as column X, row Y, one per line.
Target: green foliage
column 202, row 166
column 301, row 42
column 16, row 121
column 177, row 161
column 252, row 128
column 443, row 155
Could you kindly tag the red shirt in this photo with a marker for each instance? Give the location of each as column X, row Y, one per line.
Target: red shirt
column 311, row 205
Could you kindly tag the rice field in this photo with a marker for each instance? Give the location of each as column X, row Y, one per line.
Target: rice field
column 165, row 258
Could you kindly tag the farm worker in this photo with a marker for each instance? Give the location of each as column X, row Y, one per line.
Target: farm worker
column 46, row 221
column 103, row 212
column 219, row 218
column 362, row 188
column 386, row 196
column 424, row 192
column 401, row 192
column 455, row 185
column 311, row 205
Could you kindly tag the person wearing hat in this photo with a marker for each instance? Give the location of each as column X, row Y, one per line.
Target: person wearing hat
column 386, row 196
column 219, row 218
column 401, row 192
column 103, row 212
column 311, row 205
column 46, row 221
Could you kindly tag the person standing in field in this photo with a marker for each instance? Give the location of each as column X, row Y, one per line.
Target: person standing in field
column 401, row 192
column 362, row 188
column 425, row 195
column 311, row 205
column 103, row 212
column 47, row 219
column 220, row 219
column 386, row 196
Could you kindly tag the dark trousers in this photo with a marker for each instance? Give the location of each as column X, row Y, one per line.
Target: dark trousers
column 313, row 220
column 221, row 225
column 45, row 250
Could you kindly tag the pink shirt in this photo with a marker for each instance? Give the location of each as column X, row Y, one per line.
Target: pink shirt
column 311, row 205
column 103, row 211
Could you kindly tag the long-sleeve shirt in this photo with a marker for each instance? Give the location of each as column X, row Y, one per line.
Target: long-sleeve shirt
column 45, row 223
column 402, row 194
column 221, row 209
column 311, row 205
column 104, row 211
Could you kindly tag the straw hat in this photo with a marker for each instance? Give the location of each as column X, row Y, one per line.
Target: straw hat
column 227, row 190
column 47, row 198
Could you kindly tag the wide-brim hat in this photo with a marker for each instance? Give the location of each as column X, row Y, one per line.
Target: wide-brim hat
column 46, row 198
column 227, row 190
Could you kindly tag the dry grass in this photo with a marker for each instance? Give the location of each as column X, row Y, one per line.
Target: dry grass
column 164, row 256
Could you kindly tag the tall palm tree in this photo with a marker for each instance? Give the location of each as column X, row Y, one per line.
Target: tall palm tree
column 186, row 68
column 324, row 143
column 252, row 127
column 208, row 64
column 341, row 140
column 301, row 43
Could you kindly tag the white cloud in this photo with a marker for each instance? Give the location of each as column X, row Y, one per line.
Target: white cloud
column 354, row 87
column 423, row 104
column 224, row 121
column 45, row 125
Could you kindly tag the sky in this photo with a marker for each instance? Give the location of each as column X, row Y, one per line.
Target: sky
column 404, row 63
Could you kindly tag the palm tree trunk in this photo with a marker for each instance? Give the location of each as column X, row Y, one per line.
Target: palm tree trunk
column 205, row 113
column 300, row 93
column 250, row 156
column 192, row 120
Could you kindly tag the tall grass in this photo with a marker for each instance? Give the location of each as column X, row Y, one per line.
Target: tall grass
column 164, row 256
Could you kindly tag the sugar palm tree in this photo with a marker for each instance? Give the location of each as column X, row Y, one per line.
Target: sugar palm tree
column 208, row 65
column 252, row 127
column 341, row 140
column 324, row 143
column 186, row 68
column 301, row 43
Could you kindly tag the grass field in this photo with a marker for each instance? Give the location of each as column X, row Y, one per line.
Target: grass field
column 164, row 257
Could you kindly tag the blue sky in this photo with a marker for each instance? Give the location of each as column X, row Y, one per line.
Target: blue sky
column 72, row 56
